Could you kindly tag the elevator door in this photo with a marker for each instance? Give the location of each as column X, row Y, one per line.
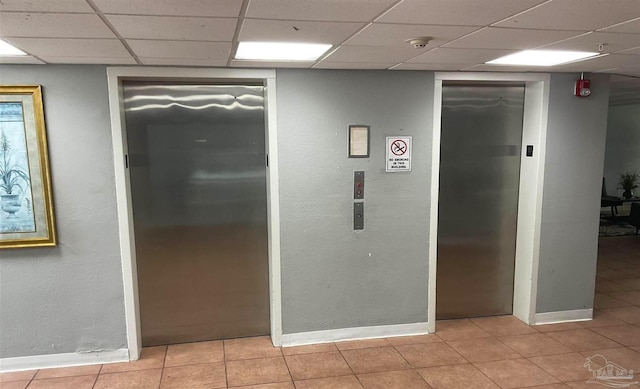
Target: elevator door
column 198, row 188
column 478, row 200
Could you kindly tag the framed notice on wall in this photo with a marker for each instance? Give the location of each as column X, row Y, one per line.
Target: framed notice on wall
column 358, row 141
column 26, row 210
column 398, row 154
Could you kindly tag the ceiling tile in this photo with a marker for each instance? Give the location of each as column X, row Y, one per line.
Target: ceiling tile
column 46, row 6
column 431, row 66
column 54, row 25
column 382, row 34
column 590, row 42
column 92, row 60
column 23, row 60
column 575, row 15
column 601, row 63
column 327, row 10
column 373, row 54
column 458, row 56
column 354, row 65
column 625, row 71
column 180, row 49
column 283, row 31
column 269, row 64
column 184, row 62
column 633, row 51
column 218, row 8
column 510, row 38
column 174, row 28
column 500, row 68
column 630, row 27
column 455, row 12
column 57, row 47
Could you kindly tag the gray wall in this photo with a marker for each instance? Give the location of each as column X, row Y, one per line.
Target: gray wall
column 333, row 277
column 68, row 298
column 571, row 200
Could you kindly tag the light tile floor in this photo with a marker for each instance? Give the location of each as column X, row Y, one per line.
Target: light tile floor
column 497, row 352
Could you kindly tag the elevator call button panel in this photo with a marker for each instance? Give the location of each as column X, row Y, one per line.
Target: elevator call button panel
column 358, row 185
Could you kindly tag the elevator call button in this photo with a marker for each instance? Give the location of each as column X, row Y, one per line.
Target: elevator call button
column 358, row 185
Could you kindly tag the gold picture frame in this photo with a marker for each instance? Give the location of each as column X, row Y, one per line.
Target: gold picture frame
column 26, row 207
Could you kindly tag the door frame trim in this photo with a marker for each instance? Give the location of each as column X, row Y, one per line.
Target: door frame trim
column 534, row 132
column 115, row 76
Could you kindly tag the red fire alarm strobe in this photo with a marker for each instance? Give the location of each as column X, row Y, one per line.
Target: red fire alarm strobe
column 583, row 87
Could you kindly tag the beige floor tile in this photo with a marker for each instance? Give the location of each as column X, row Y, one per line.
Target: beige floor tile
column 625, row 357
column 194, row 353
column 629, row 297
column 319, row 365
column 605, row 286
column 515, row 373
column 247, row 348
column 603, row 301
column 503, row 326
column 534, row 345
column 583, row 340
column 344, row 382
column 356, row 344
column 207, row 376
column 313, row 348
column 633, row 283
column 430, row 354
column 629, row 315
column 150, row 358
column 459, row 330
column 628, row 335
column 257, row 371
column 80, row 382
column 140, row 379
column 18, row 375
column 483, row 349
column 456, row 377
column 68, row 371
column 277, row 385
column 403, row 379
column 557, row 327
column 565, row 367
column 600, row 319
column 417, row 339
column 614, row 275
column 551, row 386
column 373, row 360
column 22, row 384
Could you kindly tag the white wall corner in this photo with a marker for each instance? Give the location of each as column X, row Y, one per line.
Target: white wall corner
column 63, row 360
column 354, row 333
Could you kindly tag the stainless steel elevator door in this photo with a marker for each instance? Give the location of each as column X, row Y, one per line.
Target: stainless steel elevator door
column 478, row 200
column 198, row 188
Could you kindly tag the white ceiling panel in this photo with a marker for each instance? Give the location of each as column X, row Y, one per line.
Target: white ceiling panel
column 626, row 71
column 91, row 60
column 509, row 38
column 284, row 31
column 326, row 10
column 353, row 65
column 22, row 60
column 218, row 8
column 57, row 47
column 53, row 25
column 500, row 68
column 431, row 66
column 184, row 62
column 180, row 49
column 455, row 12
column 457, row 56
column 630, row 27
column 46, row 6
column 268, row 64
column 575, row 15
column 383, row 34
column 590, row 42
column 601, row 63
column 174, row 28
column 633, row 51
column 373, row 54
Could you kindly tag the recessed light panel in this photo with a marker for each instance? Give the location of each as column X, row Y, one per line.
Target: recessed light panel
column 281, row 51
column 7, row 50
column 542, row 57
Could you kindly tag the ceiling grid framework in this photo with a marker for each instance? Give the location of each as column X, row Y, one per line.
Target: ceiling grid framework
column 364, row 34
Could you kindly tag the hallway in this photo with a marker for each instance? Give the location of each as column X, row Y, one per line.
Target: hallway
column 495, row 352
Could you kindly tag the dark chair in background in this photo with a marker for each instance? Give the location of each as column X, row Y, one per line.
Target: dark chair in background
column 609, row 201
column 634, row 216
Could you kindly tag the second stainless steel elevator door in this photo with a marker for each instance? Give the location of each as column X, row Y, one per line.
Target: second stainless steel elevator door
column 478, row 200
column 198, row 186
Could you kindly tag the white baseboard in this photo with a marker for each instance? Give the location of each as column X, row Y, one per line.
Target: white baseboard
column 355, row 333
column 563, row 316
column 63, row 360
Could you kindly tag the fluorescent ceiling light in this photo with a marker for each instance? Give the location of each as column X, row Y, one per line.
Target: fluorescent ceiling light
column 542, row 57
column 281, row 51
column 7, row 50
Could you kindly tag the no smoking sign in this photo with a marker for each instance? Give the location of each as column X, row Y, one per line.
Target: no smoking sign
column 398, row 154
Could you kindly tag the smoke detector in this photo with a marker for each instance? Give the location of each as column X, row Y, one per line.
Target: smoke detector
column 420, row 42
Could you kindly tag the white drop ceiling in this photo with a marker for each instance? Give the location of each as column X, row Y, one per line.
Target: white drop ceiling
column 365, row 34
